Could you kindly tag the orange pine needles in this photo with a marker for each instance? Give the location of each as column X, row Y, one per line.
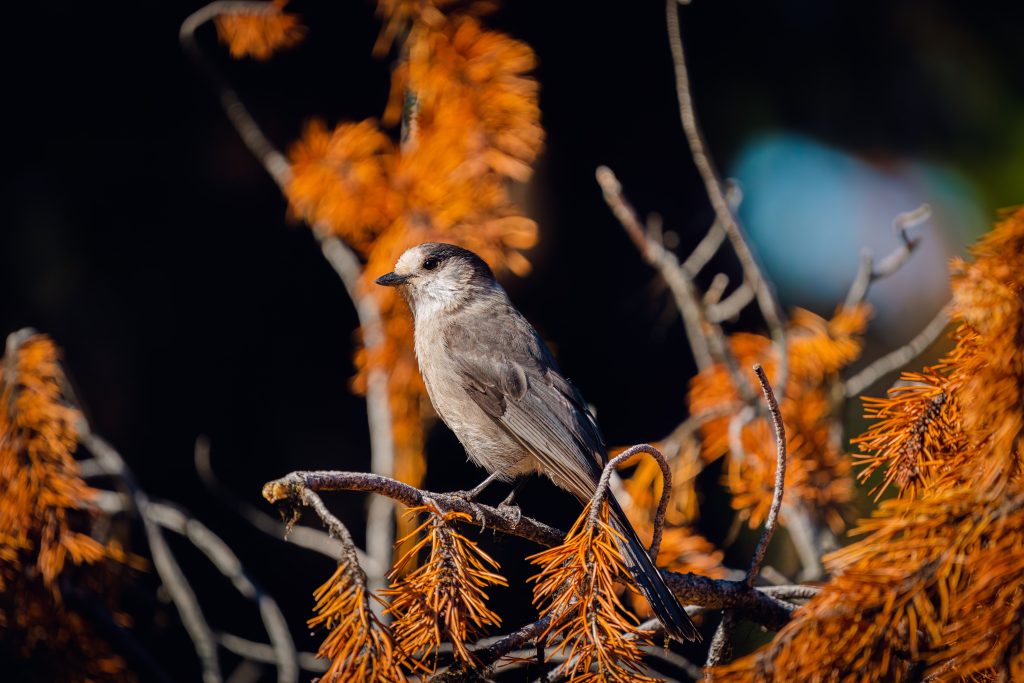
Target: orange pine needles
column 445, row 598
column 38, row 473
column 43, row 522
column 916, row 435
column 818, row 472
column 577, row 588
column 358, row 645
column 259, row 34
column 936, row 589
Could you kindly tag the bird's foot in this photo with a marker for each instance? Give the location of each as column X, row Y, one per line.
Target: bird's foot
column 511, row 512
column 474, row 493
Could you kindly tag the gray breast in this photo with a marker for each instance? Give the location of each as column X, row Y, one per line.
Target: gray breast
column 487, row 443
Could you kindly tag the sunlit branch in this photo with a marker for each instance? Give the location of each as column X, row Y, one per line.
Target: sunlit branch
column 894, row 360
column 666, row 490
column 868, row 272
column 683, row 290
column 713, row 186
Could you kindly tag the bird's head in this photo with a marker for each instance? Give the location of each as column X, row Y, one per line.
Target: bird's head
column 436, row 276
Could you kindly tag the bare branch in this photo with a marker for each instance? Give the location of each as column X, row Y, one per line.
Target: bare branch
column 868, row 272
column 720, row 642
column 379, row 532
column 171, row 575
column 225, row 560
column 713, row 186
column 894, row 360
column 732, row 305
column 666, row 490
column 272, row 159
column 715, row 290
column 291, row 489
column 780, row 476
column 263, row 653
column 712, row 241
column 683, row 290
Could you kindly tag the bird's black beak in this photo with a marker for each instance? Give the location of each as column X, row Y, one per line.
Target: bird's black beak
column 392, row 280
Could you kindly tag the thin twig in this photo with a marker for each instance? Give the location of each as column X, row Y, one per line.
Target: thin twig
column 720, row 642
column 715, row 290
column 225, row 560
column 731, row 306
column 666, row 490
column 713, row 186
column 712, row 240
column 683, row 290
column 868, row 272
column 894, row 360
column 272, row 159
column 302, row 536
column 379, row 531
column 780, row 476
column 261, row 652
column 167, row 567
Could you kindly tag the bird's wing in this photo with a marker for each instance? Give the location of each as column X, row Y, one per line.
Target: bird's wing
column 508, row 371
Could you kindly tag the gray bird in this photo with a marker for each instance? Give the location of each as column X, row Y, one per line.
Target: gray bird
column 494, row 383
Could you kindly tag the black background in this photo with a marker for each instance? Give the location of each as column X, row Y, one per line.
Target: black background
column 140, row 233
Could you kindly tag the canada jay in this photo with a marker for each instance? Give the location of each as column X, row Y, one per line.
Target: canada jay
column 494, row 383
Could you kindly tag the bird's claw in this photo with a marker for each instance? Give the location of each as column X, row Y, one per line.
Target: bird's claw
column 511, row 512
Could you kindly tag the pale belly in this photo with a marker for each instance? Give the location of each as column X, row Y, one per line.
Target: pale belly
column 487, row 443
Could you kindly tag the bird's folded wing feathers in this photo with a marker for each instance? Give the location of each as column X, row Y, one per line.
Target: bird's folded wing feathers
column 517, row 383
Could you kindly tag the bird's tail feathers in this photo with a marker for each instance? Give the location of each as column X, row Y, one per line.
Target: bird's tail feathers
column 650, row 581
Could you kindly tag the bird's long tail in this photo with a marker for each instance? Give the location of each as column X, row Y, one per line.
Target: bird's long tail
column 650, row 581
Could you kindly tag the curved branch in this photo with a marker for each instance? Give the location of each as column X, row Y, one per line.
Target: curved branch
column 666, row 490
column 868, row 272
column 780, row 476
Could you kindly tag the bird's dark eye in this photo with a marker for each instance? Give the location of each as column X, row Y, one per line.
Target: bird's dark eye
column 430, row 263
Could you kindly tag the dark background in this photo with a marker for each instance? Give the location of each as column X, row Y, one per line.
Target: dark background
column 138, row 231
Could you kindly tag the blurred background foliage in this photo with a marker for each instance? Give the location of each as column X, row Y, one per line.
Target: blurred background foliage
column 142, row 235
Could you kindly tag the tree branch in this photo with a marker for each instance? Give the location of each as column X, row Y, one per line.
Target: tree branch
column 683, row 290
column 379, row 532
column 780, row 477
column 155, row 516
column 296, row 488
column 713, row 186
column 894, row 360
column 291, row 489
column 868, row 273
column 666, row 490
